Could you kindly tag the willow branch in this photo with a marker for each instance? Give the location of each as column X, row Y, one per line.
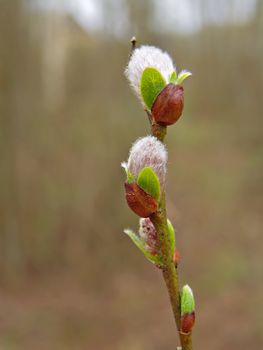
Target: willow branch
column 169, row 271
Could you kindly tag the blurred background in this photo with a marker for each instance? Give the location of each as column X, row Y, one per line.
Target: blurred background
column 69, row 277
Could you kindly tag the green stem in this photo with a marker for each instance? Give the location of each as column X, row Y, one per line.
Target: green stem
column 170, row 275
column 186, row 341
column 159, row 131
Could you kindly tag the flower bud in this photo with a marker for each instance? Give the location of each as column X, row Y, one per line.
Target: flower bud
column 146, row 241
column 148, row 234
column 154, row 78
column 145, row 57
column 148, row 152
column 168, row 105
column 187, row 309
column 145, row 169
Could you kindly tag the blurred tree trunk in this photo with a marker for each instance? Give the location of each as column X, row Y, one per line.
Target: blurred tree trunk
column 258, row 23
column 258, row 20
column 11, row 33
column 135, row 16
column 20, row 87
column 259, row 12
column 140, row 18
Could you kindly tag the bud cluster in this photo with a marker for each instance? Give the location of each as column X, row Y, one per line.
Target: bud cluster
column 148, row 152
column 146, row 169
column 154, row 78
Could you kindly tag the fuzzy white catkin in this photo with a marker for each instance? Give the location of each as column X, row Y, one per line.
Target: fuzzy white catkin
column 147, row 56
column 148, row 234
column 148, row 151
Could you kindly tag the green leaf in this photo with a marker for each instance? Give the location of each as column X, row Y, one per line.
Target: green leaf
column 130, row 176
column 152, row 83
column 173, row 77
column 182, row 76
column 187, row 300
column 149, row 182
column 171, row 232
column 155, row 259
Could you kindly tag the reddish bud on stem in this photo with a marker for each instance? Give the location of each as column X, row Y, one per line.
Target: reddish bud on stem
column 187, row 322
column 139, row 201
column 176, row 257
column 168, row 105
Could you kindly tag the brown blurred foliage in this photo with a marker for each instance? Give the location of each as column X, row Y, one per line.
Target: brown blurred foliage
column 69, row 278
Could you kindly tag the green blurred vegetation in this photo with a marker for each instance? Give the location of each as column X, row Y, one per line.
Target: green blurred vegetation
column 67, row 273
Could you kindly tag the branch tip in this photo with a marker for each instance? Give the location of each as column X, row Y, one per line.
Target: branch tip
column 133, row 44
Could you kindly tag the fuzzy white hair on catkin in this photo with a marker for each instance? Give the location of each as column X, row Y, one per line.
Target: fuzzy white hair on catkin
column 146, row 227
column 148, row 151
column 142, row 229
column 148, row 56
column 148, row 234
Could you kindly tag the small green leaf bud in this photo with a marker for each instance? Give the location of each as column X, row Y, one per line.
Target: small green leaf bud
column 187, row 309
column 173, row 77
column 171, row 232
column 149, row 182
column 152, row 83
column 182, row 76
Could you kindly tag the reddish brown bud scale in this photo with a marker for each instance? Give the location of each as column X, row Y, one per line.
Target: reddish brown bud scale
column 139, row 201
column 168, row 105
column 176, row 257
column 187, row 322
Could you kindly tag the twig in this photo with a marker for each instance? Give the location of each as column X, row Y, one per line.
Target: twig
column 133, row 45
column 170, row 275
